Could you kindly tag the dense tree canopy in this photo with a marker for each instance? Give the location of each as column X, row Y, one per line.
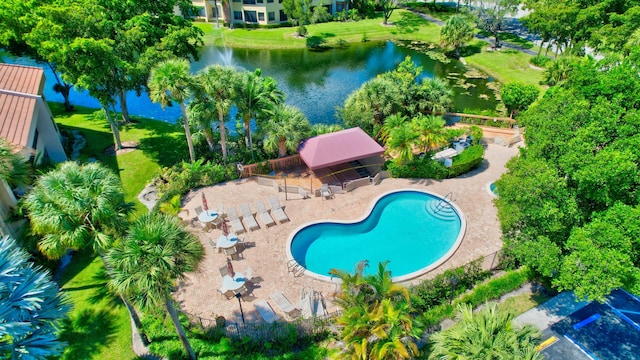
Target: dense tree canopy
column 569, row 204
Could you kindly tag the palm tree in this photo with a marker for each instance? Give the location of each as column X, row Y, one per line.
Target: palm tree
column 376, row 320
column 434, row 96
column 201, row 112
column 255, row 96
column 401, row 141
column 431, row 131
column 286, row 127
column 77, row 206
column 31, row 306
column 458, row 30
column 220, row 83
column 319, row 129
column 171, row 81
column 156, row 252
column 14, row 169
column 392, row 121
column 487, row 334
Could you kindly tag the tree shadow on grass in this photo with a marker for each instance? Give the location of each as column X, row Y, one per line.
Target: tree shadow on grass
column 101, row 294
column 472, row 49
column 165, row 150
column 79, row 261
column 409, row 23
column 87, row 333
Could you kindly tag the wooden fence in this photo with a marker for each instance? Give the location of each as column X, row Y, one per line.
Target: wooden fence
column 273, row 165
column 493, row 121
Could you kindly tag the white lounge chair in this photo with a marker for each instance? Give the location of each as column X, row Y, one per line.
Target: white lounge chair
column 284, row 305
column 248, row 218
column 266, row 311
column 236, row 224
column 326, row 192
column 261, row 210
column 277, row 211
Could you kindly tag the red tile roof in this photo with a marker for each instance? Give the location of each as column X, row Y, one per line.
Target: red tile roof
column 18, row 85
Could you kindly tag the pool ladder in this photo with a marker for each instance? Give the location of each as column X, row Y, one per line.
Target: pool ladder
column 444, row 203
column 295, row 268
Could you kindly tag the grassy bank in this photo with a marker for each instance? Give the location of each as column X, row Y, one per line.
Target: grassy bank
column 98, row 326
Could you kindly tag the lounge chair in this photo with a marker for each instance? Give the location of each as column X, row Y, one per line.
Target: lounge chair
column 236, row 224
column 277, row 211
column 306, row 304
column 248, row 218
column 284, row 305
column 264, row 215
column 266, row 311
column 326, row 192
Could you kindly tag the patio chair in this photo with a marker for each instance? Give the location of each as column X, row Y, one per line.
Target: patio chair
column 277, row 210
column 226, row 293
column 326, row 192
column 248, row 273
column 198, row 210
column 264, row 215
column 220, row 210
column 236, row 224
column 248, row 218
column 284, row 305
column 265, row 310
column 242, row 291
column 224, row 271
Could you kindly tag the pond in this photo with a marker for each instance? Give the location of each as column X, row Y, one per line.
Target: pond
column 317, row 82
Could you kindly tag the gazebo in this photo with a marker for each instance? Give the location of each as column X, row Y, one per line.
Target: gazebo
column 342, row 156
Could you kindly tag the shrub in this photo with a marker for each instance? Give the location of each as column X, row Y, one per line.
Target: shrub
column 476, row 134
column 539, row 60
column 466, row 161
column 320, row 15
column 422, row 167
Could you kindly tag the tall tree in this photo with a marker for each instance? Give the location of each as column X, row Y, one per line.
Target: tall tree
column 255, row 96
column 401, row 141
column 300, row 12
column 31, row 305
column 201, row 114
column 487, row 334
column 220, row 83
column 77, row 206
column 284, row 130
column 457, row 30
column 431, row 131
column 491, row 15
column 387, row 7
column 156, row 252
column 518, row 96
column 171, row 81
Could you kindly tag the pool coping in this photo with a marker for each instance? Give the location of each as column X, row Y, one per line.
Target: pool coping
column 397, row 279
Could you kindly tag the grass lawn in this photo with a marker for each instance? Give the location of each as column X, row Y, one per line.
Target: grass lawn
column 98, row 326
column 519, row 304
column 406, row 26
column 504, row 65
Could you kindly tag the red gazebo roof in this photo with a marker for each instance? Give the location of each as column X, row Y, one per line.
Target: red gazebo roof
column 337, row 148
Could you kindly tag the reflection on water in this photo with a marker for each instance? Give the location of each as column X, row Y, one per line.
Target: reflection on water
column 316, row 82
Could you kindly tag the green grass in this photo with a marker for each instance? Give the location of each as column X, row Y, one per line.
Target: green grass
column 98, row 326
column 504, row 65
column 406, row 26
column 521, row 303
column 438, row 11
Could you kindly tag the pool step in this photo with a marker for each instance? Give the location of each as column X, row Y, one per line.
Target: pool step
column 441, row 210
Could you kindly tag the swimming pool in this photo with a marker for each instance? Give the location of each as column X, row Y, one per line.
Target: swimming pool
column 400, row 227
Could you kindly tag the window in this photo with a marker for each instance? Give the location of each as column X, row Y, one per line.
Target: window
column 237, row 0
column 260, row 1
column 269, row 1
column 237, row 15
column 279, row 1
column 283, row 17
column 249, row 2
column 272, row 16
column 215, row 12
column 260, row 16
column 250, row 16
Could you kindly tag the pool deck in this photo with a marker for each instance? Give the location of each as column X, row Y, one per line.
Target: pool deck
column 197, row 293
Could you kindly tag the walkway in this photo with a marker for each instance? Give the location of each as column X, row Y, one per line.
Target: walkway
column 197, row 294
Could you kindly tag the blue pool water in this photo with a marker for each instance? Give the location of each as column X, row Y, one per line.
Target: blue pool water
column 400, row 229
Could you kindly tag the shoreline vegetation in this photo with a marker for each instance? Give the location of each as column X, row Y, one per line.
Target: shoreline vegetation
column 505, row 65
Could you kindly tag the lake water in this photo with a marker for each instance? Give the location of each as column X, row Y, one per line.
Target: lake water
column 315, row 82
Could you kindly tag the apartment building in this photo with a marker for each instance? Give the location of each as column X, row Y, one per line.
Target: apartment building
column 255, row 12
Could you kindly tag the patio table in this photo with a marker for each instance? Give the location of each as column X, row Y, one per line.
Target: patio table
column 207, row 216
column 233, row 283
column 227, row 242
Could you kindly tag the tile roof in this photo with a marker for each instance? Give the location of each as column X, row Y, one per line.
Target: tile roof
column 19, row 89
column 21, row 79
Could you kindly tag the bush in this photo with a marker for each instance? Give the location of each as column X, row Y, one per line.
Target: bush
column 466, row 161
column 422, row 167
column 320, row 15
column 539, row 60
column 476, row 134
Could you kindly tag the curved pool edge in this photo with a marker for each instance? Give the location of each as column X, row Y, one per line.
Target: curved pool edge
column 402, row 278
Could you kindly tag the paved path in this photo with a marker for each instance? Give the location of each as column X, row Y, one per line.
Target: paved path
column 513, row 25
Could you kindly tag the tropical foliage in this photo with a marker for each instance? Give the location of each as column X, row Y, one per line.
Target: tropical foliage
column 77, row 206
column 486, row 334
column 458, row 30
column 568, row 205
column 14, row 169
column 156, row 252
column 284, row 130
column 398, row 91
column 517, row 97
column 491, row 15
column 31, row 307
column 377, row 320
